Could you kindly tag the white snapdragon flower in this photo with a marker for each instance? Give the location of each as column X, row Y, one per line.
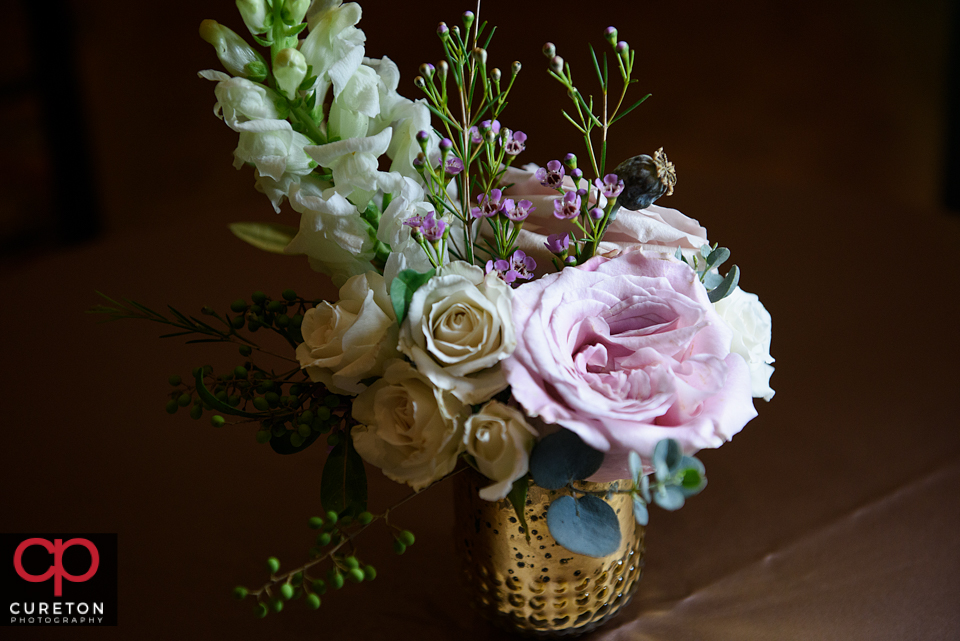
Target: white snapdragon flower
column 351, row 340
column 752, row 327
column 333, row 236
column 334, row 46
column 405, row 252
column 247, row 106
column 408, row 428
column 278, row 156
column 355, row 106
column 500, row 440
column 459, row 327
column 354, row 163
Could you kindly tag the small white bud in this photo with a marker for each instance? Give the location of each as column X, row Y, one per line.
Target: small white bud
column 289, row 68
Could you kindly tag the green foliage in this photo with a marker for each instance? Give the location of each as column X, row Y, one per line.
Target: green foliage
column 562, row 457
column 270, row 237
column 343, row 485
column 518, row 499
column 403, row 287
column 587, row 525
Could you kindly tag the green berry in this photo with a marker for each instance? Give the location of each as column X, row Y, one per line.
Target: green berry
column 313, row 601
column 406, row 537
column 279, row 429
column 261, row 404
column 245, row 350
column 184, row 400
column 333, row 440
column 272, row 398
column 346, row 520
column 239, row 306
column 304, row 431
column 296, row 390
column 273, row 564
column 296, row 321
column 399, row 547
column 335, row 578
column 172, row 406
column 283, row 320
column 207, row 369
column 174, row 380
column 276, row 306
column 351, row 562
column 331, row 517
column 355, row 575
column 196, row 411
column 364, row 518
column 306, row 417
column 323, row 539
column 315, row 523
column 319, row 586
column 260, row 610
column 253, row 325
column 259, row 297
column 289, row 294
column 263, row 436
column 217, row 421
column 286, row 591
column 296, row 440
column 237, row 322
column 297, row 579
column 240, row 593
column 277, row 605
column 240, row 371
column 323, row 413
column 369, row 572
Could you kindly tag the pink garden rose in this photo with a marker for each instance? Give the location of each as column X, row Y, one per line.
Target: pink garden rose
column 654, row 225
column 626, row 352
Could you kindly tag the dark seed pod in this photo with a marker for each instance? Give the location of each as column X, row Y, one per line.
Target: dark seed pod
column 645, row 179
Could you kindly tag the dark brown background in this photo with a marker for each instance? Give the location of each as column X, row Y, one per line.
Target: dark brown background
column 809, row 138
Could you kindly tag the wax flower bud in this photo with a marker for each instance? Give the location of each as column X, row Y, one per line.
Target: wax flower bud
column 515, row 67
column 426, row 70
column 443, row 30
column 549, row 50
column 495, row 75
column 556, row 65
column 480, row 55
column 237, row 57
column 610, row 33
column 468, row 18
column 256, row 15
column 442, row 69
column 289, row 68
column 294, row 11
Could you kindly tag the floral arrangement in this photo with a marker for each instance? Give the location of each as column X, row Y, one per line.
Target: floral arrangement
column 548, row 323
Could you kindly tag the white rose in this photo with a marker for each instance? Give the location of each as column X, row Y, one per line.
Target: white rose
column 458, row 328
column 751, row 326
column 351, row 340
column 499, row 439
column 408, row 428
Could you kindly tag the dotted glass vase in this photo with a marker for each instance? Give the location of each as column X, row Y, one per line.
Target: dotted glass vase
column 539, row 588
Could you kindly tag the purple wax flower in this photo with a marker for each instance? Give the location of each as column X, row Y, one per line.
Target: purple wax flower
column 446, row 144
column 516, row 144
column 453, row 166
column 519, row 267
column 568, row 207
column 552, row 175
column 611, row 185
column 576, row 173
column 557, row 243
column 596, row 213
column 517, row 211
column 433, row 227
column 582, row 192
column 476, row 134
column 489, row 204
column 416, row 222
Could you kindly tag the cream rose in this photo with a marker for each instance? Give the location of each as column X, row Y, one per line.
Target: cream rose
column 408, row 428
column 751, row 325
column 499, row 439
column 351, row 340
column 458, row 329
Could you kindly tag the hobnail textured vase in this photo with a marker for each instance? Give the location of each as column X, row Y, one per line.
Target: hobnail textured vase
column 539, row 588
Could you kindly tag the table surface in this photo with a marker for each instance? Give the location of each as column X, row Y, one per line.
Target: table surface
column 833, row 515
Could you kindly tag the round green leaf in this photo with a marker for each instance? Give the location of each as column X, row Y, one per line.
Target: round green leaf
column 562, row 457
column 586, row 526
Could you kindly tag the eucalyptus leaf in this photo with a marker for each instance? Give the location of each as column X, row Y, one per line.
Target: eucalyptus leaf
column 645, row 488
column 271, row 237
column 726, row 286
column 343, row 484
column 717, row 257
column 667, row 456
column 403, row 287
column 640, row 512
column 711, row 280
column 669, row 497
column 705, row 251
column 562, row 457
column 518, row 499
column 585, row 526
column 678, row 254
column 636, row 467
column 692, row 476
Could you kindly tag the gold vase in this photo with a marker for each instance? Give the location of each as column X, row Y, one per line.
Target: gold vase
column 539, row 588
